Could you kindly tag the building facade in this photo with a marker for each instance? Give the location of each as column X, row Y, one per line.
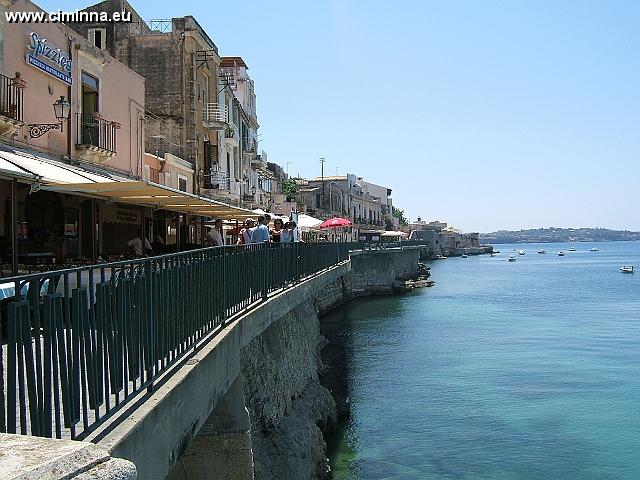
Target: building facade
column 70, row 114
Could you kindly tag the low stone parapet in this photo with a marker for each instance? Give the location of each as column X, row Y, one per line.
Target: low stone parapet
column 34, row 458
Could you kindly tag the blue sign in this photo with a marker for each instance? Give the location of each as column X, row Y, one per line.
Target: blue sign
column 31, row 60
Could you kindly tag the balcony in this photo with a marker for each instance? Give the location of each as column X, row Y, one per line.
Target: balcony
column 249, row 146
column 11, row 104
column 217, row 180
column 231, row 136
column 215, row 116
column 258, row 163
column 96, row 137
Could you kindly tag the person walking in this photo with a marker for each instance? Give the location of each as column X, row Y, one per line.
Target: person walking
column 216, row 235
column 260, row 234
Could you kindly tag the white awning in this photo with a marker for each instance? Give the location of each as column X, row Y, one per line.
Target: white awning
column 57, row 176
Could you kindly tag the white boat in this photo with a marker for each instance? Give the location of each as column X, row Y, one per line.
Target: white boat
column 542, row 251
column 561, row 253
column 594, row 249
column 520, row 252
column 512, row 258
column 627, row 269
column 464, row 255
column 572, row 249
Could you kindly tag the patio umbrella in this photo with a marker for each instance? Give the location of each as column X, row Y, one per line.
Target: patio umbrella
column 335, row 223
column 305, row 222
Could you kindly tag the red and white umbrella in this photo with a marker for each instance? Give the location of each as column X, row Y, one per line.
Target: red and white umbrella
column 335, row 223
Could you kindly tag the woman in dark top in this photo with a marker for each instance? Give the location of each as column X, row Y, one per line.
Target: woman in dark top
column 277, row 230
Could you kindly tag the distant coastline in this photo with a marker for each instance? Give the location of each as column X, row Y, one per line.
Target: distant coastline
column 553, row 235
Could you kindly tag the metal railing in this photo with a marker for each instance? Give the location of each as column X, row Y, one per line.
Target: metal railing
column 215, row 113
column 97, row 132
column 78, row 344
column 151, row 27
column 11, row 98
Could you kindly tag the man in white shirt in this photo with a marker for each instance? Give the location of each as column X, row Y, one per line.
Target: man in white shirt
column 135, row 244
column 216, row 235
column 246, row 231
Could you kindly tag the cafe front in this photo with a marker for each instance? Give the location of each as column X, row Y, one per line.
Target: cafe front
column 57, row 215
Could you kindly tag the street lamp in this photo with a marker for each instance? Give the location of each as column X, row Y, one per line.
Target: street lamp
column 61, row 109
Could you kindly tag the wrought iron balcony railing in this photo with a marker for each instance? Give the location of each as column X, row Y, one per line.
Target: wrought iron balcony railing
column 11, row 97
column 96, row 133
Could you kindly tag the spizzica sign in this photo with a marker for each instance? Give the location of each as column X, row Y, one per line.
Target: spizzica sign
column 49, row 58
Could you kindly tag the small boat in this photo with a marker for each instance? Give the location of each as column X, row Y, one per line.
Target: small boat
column 594, row 249
column 627, row 269
column 441, row 257
column 542, row 251
column 520, row 252
column 512, row 258
column 496, row 251
column 561, row 253
column 572, row 249
column 464, row 255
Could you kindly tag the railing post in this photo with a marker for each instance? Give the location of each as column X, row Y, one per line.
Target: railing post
column 150, row 320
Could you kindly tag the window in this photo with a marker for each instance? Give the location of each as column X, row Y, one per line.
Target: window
column 98, row 37
column 90, row 131
column 182, row 183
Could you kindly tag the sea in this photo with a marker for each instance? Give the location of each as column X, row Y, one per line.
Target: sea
column 501, row 370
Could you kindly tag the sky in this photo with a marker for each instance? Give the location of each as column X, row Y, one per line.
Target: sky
column 485, row 114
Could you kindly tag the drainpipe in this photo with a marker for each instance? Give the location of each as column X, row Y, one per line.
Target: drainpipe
column 71, row 112
column 14, row 227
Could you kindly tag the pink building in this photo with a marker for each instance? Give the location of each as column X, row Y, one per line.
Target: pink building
column 107, row 98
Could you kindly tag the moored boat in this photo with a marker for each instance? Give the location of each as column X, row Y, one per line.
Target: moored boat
column 520, row 252
column 464, row 255
column 512, row 258
column 542, row 250
column 627, row 269
column 572, row 249
column 594, row 249
column 561, row 253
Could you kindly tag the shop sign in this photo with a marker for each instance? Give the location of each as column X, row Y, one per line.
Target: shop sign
column 49, row 58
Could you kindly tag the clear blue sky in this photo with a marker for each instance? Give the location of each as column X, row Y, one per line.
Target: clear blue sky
column 484, row 114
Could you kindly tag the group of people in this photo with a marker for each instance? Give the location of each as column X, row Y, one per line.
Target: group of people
column 256, row 233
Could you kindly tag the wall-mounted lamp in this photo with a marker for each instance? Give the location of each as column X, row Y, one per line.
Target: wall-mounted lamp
column 35, row 185
column 61, row 109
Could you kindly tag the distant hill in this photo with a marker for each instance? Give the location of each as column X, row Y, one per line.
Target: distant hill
column 553, row 234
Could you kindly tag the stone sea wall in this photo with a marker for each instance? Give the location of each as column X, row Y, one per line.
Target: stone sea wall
column 294, row 382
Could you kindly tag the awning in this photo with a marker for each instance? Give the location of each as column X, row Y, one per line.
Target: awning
column 57, row 176
column 153, row 195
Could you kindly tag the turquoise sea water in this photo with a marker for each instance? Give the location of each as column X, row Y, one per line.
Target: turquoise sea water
column 523, row 370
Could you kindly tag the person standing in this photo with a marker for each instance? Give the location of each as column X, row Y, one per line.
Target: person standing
column 135, row 245
column 245, row 233
column 216, row 235
column 260, row 234
column 277, row 230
